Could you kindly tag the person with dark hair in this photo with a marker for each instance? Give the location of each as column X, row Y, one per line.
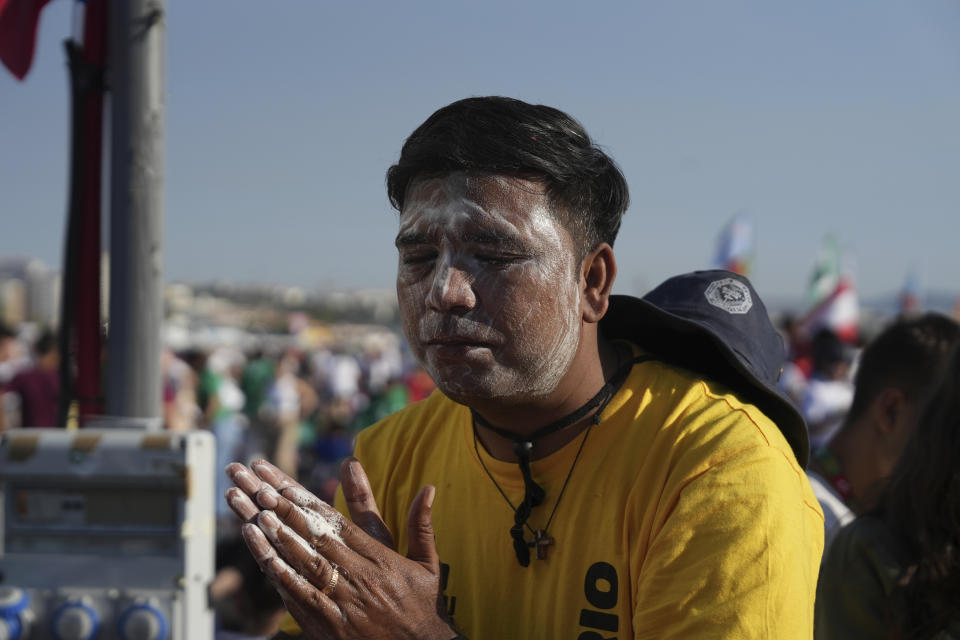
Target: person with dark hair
column 580, row 484
column 38, row 386
column 8, row 352
column 13, row 359
column 896, row 374
column 504, row 137
column 895, row 571
column 829, row 392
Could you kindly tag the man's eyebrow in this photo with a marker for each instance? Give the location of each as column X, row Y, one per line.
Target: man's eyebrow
column 503, row 240
column 506, row 241
column 411, row 238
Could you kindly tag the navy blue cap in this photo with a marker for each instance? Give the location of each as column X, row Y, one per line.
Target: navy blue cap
column 714, row 323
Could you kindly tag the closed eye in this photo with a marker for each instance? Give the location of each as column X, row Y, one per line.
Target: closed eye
column 500, row 259
column 418, row 257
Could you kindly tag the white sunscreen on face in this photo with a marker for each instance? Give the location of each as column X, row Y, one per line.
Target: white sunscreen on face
column 542, row 289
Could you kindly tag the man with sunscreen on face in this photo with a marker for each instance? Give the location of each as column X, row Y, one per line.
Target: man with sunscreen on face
column 591, row 466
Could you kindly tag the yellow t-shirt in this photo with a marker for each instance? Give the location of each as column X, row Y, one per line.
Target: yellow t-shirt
column 686, row 516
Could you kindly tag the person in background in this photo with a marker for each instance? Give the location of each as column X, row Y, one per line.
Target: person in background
column 894, row 572
column 380, row 362
column 343, row 376
column 897, row 372
column 224, row 416
column 419, row 384
column 180, row 410
column 13, row 359
column 38, row 386
column 829, row 392
column 255, row 382
column 793, row 379
column 289, row 398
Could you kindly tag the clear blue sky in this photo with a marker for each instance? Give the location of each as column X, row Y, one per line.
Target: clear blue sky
column 815, row 118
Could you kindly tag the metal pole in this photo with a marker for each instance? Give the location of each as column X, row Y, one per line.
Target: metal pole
column 136, row 77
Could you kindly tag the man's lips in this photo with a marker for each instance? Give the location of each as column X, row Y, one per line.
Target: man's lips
column 457, row 348
column 458, row 341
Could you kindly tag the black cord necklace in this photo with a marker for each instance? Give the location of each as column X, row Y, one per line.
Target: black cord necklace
column 540, row 538
column 534, row 494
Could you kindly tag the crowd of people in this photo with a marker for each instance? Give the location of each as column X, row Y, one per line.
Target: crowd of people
column 300, row 407
column 29, row 378
column 297, row 406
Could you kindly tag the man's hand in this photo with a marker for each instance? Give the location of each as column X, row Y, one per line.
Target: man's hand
column 341, row 579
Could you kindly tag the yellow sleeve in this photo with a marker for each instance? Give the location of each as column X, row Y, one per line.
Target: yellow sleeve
column 736, row 555
column 289, row 626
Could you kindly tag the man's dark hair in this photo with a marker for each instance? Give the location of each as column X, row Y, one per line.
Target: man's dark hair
column 908, row 355
column 46, row 343
column 827, row 349
column 921, row 507
column 6, row 332
column 503, row 136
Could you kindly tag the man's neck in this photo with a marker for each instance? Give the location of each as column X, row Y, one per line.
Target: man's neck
column 591, row 369
column 857, row 459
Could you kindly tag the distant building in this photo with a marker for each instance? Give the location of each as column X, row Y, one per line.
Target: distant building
column 13, row 301
column 178, row 298
column 29, row 291
column 43, row 294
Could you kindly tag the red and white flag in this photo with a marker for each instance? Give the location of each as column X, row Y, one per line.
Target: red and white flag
column 18, row 33
column 833, row 296
column 839, row 311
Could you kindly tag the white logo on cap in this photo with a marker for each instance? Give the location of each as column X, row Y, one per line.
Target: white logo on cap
column 730, row 295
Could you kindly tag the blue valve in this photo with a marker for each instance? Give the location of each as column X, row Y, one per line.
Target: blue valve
column 10, row 628
column 75, row 620
column 142, row 622
column 13, row 605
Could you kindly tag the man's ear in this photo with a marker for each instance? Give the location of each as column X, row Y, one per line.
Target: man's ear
column 888, row 410
column 597, row 273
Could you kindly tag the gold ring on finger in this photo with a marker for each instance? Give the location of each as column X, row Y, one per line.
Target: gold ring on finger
column 334, row 578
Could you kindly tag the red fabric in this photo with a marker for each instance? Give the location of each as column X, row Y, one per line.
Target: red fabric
column 87, row 318
column 838, row 312
column 737, row 265
column 18, row 33
column 39, row 391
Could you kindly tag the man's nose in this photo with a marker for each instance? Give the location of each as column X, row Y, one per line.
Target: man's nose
column 452, row 290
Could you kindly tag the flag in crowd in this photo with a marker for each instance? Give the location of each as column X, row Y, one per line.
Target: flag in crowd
column 735, row 246
column 832, row 295
column 910, row 300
